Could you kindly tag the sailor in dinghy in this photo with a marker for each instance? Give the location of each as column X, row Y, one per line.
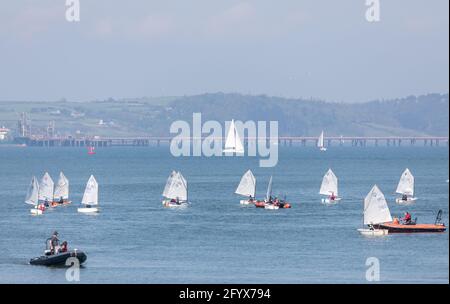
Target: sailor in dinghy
column 90, row 197
column 405, row 187
column 46, row 190
column 247, row 188
column 329, row 188
column 376, row 211
column 175, row 191
column 61, row 195
column 273, row 203
column 32, row 198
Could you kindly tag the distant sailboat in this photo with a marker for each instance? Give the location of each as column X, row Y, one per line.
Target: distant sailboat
column 32, row 197
column 46, row 190
column 233, row 143
column 268, row 201
column 376, row 211
column 91, row 150
column 321, row 142
column 405, row 187
column 175, row 191
column 90, row 197
column 61, row 195
column 329, row 188
column 247, row 188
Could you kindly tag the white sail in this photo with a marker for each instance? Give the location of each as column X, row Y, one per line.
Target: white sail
column 62, row 188
column 406, row 183
column 247, row 186
column 33, row 192
column 376, row 210
column 269, row 190
column 46, row 188
column 233, row 141
column 168, row 184
column 329, row 184
column 178, row 188
column 90, row 196
column 320, row 142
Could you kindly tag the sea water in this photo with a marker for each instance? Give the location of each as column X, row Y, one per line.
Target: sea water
column 216, row 240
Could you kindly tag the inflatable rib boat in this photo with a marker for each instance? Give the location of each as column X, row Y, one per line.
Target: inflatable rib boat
column 59, row 259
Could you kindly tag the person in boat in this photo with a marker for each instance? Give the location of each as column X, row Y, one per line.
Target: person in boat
column 61, row 201
column 63, row 247
column 332, row 196
column 404, row 197
column 54, row 243
column 407, row 218
column 250, row 199
column 46, row 204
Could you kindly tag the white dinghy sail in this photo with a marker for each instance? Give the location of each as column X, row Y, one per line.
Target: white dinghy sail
column 90, row 197
column 321, row 142
column 329, row 188
column 176, row 190
column 247, row 187
column 233, row 143
column 405, row 187
column 376, row 211
column 61, row 189
column 46, row 188
column 32, row 197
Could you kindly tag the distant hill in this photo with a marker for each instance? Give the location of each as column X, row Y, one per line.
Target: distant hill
column 413, row 115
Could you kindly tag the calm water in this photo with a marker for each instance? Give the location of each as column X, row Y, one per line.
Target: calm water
column 135, row 240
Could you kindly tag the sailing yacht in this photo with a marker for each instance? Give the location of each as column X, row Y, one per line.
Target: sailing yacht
column 329, row 188
column 405, row 187
column 376, row 211
column 61, row 194
column 32, row 198
column 90, row 197
column 176, row 191
column 233, row 143
column 247, row 188
column 321, row 142
column 46, row 190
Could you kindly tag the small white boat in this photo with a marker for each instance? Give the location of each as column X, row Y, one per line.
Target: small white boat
column 271, row 207
column 321, row 142
column 61, row 194
column 376, row 211
column 405, row 187
column 175, row 191
column 329, row 188
column 46, row 188
column 247, row 188
column 90, row 197
column 32, row 198
column 233, row 143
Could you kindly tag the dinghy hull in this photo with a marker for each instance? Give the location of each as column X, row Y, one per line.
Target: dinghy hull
column 395, row 227
column 88, row 210
column 59, row 259
column 373, row 232
column 328, row 201
column 169, row 204
column 246, row 202
column 409, row 201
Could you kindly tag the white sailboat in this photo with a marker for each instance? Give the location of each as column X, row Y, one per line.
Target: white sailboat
column 176, row 191
column 32, row 197
column 321, row 142
column 90, row 197
column 376, row 211
column 247, row 188
column 405, row 187
column 46, row 190
column 233, row 143
column 268, row 201
column 329, row 188
column 61, row 195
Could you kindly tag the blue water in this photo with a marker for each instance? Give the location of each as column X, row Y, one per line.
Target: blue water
column 135, row 240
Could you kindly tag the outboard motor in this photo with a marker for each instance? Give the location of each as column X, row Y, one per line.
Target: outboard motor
column 438, row 218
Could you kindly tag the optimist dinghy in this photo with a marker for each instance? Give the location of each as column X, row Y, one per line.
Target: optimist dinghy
column 329, row 188
column 176, row 191
column 90, row 197
column 376, row 211
column 32, row 198
column 321, row 142
column 61, row 194
column 233, row 143
column 247, row 188
column 272, row 203
column 405, row 187
column 46, row 190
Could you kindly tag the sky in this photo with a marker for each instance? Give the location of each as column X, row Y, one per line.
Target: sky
column 322, row 49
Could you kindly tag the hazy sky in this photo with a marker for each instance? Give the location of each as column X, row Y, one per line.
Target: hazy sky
column 294, row 48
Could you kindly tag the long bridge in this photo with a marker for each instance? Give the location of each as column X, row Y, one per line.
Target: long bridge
column 96, row 141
